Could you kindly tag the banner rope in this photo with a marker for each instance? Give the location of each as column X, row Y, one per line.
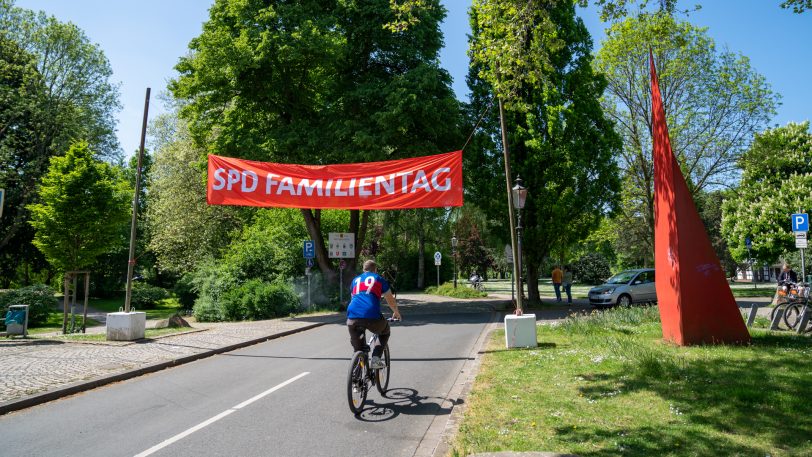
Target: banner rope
column 482, row 116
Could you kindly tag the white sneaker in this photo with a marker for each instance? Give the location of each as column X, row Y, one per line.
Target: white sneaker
column 376, row 363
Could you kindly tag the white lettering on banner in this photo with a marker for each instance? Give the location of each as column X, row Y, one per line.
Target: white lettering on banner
column 388, row 186
column 308, row 188
column 270, row 182
column 254, row 181
column 363, row 183
column 248, row 181
column 286, row 185
column 233, row 178
column 219, row 180
column 420, row 181
column 447, row 184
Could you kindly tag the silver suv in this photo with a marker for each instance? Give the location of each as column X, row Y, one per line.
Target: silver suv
column 625, row 288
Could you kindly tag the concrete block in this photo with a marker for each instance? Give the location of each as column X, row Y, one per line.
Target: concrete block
column 123, row 326
column 520, row 331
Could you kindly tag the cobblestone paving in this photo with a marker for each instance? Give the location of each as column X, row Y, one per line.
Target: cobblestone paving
column 34, row 366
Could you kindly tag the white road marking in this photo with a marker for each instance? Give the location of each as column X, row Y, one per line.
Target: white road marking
column 216, row 418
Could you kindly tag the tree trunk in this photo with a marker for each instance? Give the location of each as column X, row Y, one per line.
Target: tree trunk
column 313, row 225
column 532, row 279
column 421, row 260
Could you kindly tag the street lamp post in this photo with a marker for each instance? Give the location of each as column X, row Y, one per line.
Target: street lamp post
column 454, row 255
column 519, row 197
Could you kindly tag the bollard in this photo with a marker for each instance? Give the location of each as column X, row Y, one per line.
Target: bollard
column 752, row 316
column 804, row 320
column 779, row 314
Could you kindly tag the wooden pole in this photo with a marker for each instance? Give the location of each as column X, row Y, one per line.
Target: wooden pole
column 131, row 261
column 87, row 292
column 513, row 243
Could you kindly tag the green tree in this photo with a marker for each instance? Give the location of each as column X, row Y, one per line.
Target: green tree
column 84, row 203
column 537, row 57
column 55, row 90
column 316, row 83
column 798, row 6
column 81, row 98
column 776, row 182
column 183, row 229
column 22, row 92
column 708, row 131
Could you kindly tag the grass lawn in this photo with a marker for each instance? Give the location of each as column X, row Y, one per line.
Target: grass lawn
column 606, row 385
column 166, row 308
column 54, row 324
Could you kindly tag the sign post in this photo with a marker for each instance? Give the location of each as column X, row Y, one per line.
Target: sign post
column 800, row 225
column 2, row 200
column 309, row 253
column 342, row 246
column 342, row 264
column 438, row 258
column 749, row 243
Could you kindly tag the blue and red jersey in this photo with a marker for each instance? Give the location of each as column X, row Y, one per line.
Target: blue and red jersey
column 367, row 290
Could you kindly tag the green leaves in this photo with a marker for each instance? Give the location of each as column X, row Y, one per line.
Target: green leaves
column 776, row 182
column 85, row 202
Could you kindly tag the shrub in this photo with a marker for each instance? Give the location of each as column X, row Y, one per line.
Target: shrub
column 462, row 291
column 39, row 298
column 257, row 299
column 145, row 296
column 592, row 268
column 185, row 291
column 206, row 310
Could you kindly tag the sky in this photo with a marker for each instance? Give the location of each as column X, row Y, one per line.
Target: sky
column 143, row 40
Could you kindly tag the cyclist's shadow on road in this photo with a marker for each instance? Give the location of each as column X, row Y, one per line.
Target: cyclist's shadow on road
column 403, row 400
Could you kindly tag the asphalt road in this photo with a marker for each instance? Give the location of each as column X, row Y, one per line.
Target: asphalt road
column 285, row 397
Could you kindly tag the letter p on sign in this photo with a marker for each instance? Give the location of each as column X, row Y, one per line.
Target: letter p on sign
column 800, row 222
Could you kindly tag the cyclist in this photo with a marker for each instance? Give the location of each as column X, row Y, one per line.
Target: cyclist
column 475, row 280
column 364, row 311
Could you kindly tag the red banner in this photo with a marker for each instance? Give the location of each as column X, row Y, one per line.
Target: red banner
column 420, row 182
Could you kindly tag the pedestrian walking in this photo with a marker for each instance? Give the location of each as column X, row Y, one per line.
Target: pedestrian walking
column 567, row 280
column 558, row 276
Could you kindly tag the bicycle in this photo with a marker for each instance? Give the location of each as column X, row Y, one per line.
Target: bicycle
column 788, row 294
column 361, row 377
column 792, row 316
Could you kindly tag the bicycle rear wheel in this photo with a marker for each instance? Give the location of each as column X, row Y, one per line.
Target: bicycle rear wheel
column 356, row 382
column 792, row 315
column 382, row 375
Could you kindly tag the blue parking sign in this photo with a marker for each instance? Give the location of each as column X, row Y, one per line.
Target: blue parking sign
column 800, row 222
column 309, row 249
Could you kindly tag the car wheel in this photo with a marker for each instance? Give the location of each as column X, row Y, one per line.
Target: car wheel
column 624, row 300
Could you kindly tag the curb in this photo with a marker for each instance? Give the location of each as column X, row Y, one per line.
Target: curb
column 436, row 440
column 82, row 386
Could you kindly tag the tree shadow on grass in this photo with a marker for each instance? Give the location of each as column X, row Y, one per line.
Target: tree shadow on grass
column 763, row 397
column 651, row 441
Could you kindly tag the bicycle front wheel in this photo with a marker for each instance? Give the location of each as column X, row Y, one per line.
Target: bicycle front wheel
column 356, row 383
column 382, row 375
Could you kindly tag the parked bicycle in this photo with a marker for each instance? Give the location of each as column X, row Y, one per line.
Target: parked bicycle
column 362, row 377
column 793, row 300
